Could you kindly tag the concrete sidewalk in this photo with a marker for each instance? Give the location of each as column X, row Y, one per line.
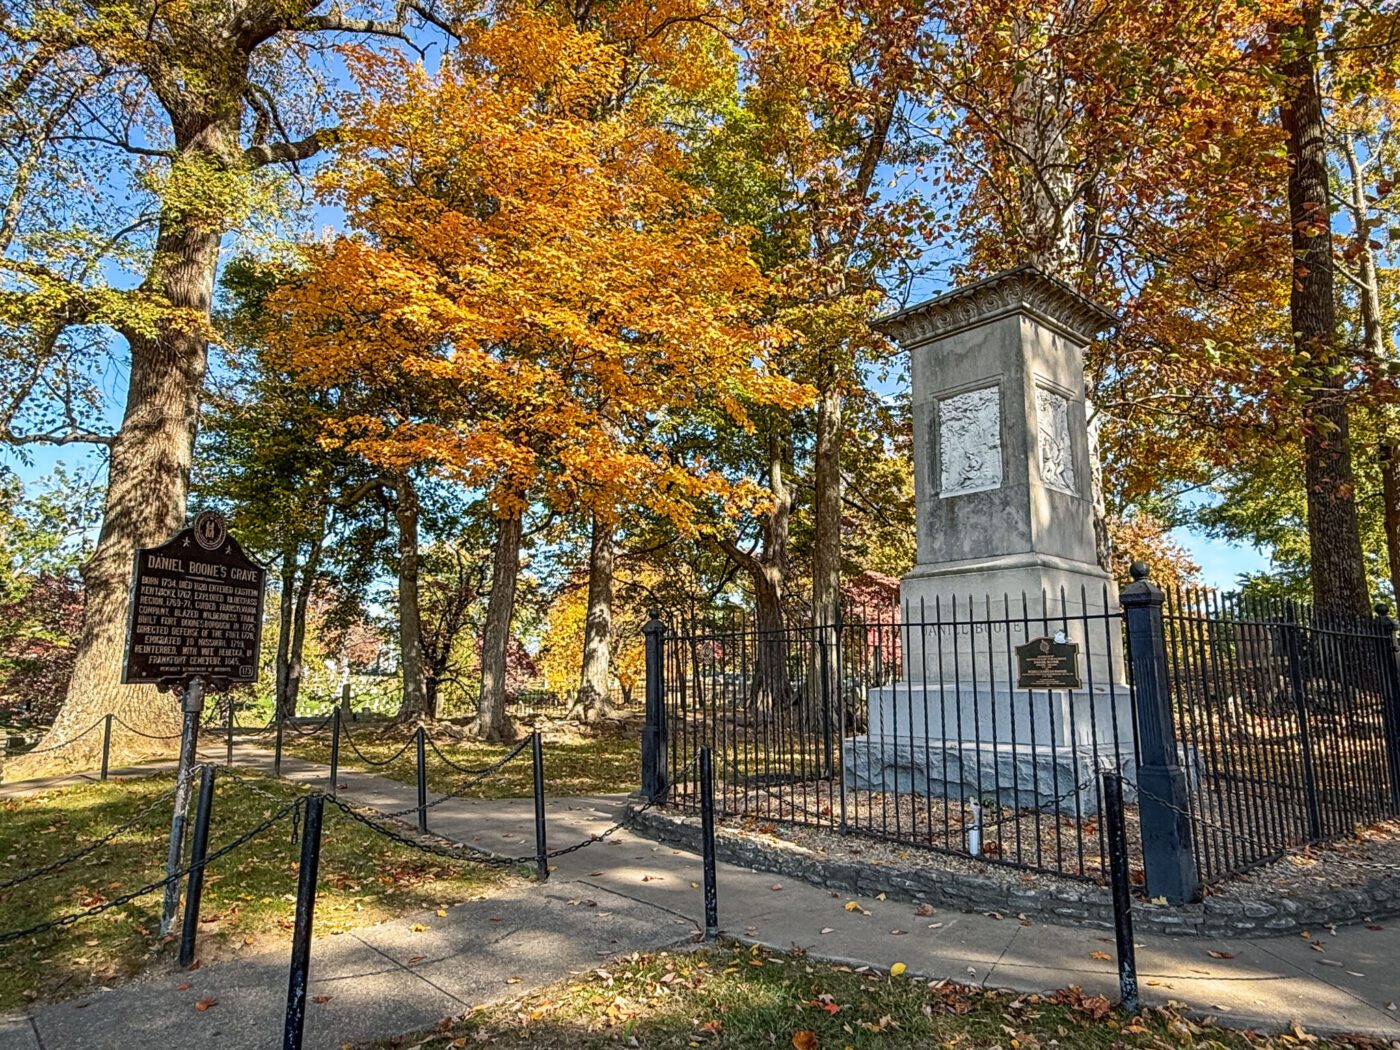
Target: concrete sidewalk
column 630, row 894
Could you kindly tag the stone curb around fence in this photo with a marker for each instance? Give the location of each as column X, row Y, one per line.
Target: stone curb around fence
column 1061, row 905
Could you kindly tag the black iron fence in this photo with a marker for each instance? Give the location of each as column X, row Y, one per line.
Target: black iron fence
column 1240, row 729
column 1286, row 719
column 909, row 726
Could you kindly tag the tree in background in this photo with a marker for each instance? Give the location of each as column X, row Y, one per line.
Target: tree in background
column 542, row 279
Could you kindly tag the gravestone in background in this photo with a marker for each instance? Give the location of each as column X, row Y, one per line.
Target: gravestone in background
column 1006, row 556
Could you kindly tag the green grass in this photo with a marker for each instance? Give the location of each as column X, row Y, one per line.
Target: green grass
column 576, row 762
column 248, row 898
column 741, row 998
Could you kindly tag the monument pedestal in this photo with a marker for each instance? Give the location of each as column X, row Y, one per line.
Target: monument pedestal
column 1006, row 557
column 1021, row 749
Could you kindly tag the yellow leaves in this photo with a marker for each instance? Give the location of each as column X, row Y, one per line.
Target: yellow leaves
column 897, row 969
column 532, row 282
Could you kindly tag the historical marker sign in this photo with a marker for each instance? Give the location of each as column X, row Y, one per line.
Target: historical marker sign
column 1045, row 663
column 196, row 610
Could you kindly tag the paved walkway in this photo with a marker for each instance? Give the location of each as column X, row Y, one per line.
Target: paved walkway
column 631, row 894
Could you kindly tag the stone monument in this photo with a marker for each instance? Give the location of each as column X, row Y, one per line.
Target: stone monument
column 1006, row 557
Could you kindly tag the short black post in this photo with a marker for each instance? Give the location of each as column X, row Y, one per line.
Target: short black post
column 707, row 834
column 654, row 785
column 335, row 749
column 1390, row 694
column 228, row 732
column 422, row 782
column 106, row 743
column 1164, row 799
column 1111, row 791
column 194, row 890
column 1292, row 635
column 541, row 850
column 191, row 703
column 299, row 975
column 277, row 749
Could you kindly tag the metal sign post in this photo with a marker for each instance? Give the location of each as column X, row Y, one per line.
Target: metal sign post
column 193, row 703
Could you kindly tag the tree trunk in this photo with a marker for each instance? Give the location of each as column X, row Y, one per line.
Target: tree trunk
column 492, row 723
column 406, row 511
column 1390, row 509
column 284, row 632
column 826, row 556
column 594, row 700
column 296, row 669
column 1334, row 536
column 147, row 484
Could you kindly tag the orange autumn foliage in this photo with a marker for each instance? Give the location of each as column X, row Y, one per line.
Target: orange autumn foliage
column 530, row 282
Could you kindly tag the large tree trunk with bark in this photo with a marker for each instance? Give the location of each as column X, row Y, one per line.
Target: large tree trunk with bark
column 1390, row 496
column 594, row 700
column 147, row 484
column 492, row 722
column 1334, row 536
column 296, row 665
column 406, row 511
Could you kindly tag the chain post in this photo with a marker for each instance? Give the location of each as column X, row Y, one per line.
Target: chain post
column 106, row 743
column 228, row 732
column 277, row 747
column 299, row 974
column 194, row 890
column 654, row 785
column 1163, row 794
column 1111, row 791
column 335, row 749
column 707, row 834
column 541, row 849
column 192, row 701
column 422, row 782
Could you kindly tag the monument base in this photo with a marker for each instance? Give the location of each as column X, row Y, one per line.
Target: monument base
column 1053, row 779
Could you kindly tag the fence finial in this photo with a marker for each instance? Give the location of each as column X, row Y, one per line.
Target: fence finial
column 1139, row 571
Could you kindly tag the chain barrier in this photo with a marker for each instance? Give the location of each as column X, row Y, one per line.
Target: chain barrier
column 151, row 887
column 251, row 783
column 461, row 788
column 79, row 854
column 59, row 747
column 290, row 723
column 464, row 852
column 485, row 771
column 148, row 736
column 345, row 732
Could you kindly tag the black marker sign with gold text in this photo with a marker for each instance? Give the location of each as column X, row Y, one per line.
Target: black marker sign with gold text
column 196, row 610
column 1047, row 663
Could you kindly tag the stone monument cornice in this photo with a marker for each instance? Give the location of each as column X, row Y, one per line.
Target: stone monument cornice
column 1024, row 289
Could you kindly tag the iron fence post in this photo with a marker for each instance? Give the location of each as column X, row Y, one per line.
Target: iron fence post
column 1297, row 684
column 1163, row 795
column 194, row 890
column 707, row 836
column 277, row 748
column 192, row 701
column 106, row 743
column 541, row 849
column 422, row 782
column 335, row 749
column 1390, row 693
column 299, row 974
column 654, row 785
column 1111, row 792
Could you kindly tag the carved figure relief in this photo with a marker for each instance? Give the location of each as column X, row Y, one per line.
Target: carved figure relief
column 969, row 442
column 1056, row 452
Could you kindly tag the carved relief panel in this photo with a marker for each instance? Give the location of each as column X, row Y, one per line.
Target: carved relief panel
column 1056, row 451
column 969, row 442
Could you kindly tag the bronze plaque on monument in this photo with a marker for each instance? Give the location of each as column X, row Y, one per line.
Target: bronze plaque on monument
column 1045, row 663
column 196, row 610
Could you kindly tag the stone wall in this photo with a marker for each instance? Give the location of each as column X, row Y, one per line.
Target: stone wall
column 1052, row 900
